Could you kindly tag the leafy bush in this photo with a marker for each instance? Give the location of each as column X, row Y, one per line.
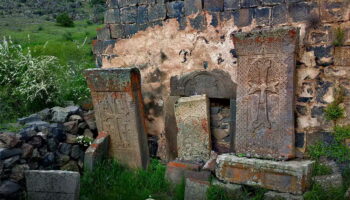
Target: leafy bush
column 321, row 169
column 64, row 20
column 336, row 151
column 334, row 111
column 29, row 83
column 341, row 133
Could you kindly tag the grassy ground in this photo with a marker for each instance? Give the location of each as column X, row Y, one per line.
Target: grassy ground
column 115, row 182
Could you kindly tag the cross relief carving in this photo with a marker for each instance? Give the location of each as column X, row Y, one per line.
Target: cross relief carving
column 261, row 83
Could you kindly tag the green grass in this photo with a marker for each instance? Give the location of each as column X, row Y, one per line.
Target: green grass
column 111, row 181
column 321, row 169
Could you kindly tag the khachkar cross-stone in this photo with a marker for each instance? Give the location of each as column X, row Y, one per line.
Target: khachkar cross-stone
column 118, row 105
column 262, row 86
column 265, row 93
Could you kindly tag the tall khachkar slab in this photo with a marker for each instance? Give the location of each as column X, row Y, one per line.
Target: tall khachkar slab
column 117, row 99
column 192, row 118
column 265, row 93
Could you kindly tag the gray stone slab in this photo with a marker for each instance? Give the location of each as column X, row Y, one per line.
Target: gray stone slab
column 271, row 195
column 265, row 94
column 97, row 151
column 196, row 189
column 193, row 122
column 118, row 104
column 57, row 183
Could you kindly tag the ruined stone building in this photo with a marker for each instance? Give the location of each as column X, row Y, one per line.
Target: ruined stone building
column 183, row 48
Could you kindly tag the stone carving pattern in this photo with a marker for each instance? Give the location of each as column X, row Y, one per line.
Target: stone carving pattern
column 113, row 110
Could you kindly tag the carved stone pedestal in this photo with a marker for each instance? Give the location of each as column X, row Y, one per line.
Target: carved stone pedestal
column 283, row 176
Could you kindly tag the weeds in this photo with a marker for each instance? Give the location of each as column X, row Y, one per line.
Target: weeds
column 339, row 37
column 110, row 180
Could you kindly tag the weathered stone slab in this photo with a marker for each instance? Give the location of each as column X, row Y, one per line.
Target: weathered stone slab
column 342, row 56
column 289, row 176
column 193, row 138
column 170, row 127
column 265, row 93
column 196, row 189
column 97, row 151
column 117, row 99
column 53, row 185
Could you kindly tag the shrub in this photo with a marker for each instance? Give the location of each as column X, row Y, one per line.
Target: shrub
column 64, row 20
column 334, row 111
column 217, row 193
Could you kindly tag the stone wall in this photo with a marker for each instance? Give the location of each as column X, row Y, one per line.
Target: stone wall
column 47, row 140
column 166, row 39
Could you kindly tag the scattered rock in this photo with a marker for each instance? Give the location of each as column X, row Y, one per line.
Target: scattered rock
column 71, row 166
column 65, row 148
column 51, row 145
column 71, row 139
column 62, row 159
column 48, row 159
column 76, row 152
column 17, row 172
column 75, row 118
column 88, row 133
column 89, row 118
column 211, row 163
column 9, row 162
column 6, row 153
column 30, row 118
column 71, row 127
column 9, row 140
column 27, row 150
column 59, row 114
column 8, row 188
column 36, row 141
column 45, row 114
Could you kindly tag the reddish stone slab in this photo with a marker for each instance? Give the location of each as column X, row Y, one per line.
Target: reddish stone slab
column 118, row 106
column 265, row 93
column 289, row 176
column 176, row 170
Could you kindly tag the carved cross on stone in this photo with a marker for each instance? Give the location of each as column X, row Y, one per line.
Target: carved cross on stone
column 262, row 86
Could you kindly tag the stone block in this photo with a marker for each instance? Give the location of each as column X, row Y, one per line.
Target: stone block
column 279, row 14
column 128, row 15
column 103, row 33
column 118, row 105
column 271, row 2
column 52, row 184
column 146, row 2
column 192, row 6
column 333, row 11
column 262, row 15
column 175, row 171
column 156, row 12
column 117, row 31
column 299, row 140
column 231, row 4
column 199, row 22
column 243, row 17
column 213, row 5
column 175, row 9
column 249, row 3
column 193, row 122
column 265, row 124
column 112, row 16
column 126, row 3
column 288, row 176
column 130, row 29
column 271, row 195
column 342, row 56
column 100, row 47
column 97, row 151
column 196, row 189
column 142, row 15
column 300, row 11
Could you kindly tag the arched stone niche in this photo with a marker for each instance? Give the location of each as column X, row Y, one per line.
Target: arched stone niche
column 221, row 91
column 215, row 84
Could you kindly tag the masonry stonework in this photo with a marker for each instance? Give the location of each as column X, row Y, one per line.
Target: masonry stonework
column 166, row 39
